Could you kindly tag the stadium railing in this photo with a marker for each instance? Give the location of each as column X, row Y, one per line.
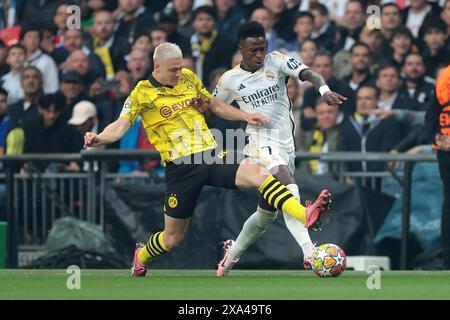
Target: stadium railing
column 35, row 199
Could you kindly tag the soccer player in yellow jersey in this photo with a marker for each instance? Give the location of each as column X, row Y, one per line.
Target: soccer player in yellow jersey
column 166, row 104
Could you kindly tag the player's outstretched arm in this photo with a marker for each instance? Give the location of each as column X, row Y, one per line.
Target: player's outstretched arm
column 319, row 83
column 110, row 134
column 228, row 112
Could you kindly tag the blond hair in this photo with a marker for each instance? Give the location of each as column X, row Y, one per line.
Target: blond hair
column 167, row 50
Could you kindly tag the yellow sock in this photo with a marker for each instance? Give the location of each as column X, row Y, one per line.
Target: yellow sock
column 154, row 247
column 281, row 198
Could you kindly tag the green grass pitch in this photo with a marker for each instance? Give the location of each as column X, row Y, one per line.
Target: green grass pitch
column 241, row 284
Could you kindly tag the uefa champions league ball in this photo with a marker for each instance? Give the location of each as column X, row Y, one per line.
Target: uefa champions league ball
column 328, row 260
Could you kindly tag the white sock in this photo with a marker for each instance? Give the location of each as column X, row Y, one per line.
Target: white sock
column 253, row 228
column 296, row 228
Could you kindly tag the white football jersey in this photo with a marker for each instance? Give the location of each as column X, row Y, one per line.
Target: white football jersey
column 264, row 91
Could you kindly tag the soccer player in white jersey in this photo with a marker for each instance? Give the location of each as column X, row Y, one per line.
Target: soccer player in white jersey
column 258, row 84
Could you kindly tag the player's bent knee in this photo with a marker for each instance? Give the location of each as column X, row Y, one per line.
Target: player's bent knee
column 250, row 175
column 173, row 240
column 256, row 179
column 272, row 215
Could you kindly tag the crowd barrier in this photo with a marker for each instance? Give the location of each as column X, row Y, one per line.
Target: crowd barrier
column 34, row 199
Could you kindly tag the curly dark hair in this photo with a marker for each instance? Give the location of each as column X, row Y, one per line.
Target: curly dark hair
column 251, row 29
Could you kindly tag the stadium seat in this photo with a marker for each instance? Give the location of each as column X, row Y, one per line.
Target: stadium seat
column 362, row 263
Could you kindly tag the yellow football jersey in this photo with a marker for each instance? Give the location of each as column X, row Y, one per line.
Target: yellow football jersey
column 174, row 127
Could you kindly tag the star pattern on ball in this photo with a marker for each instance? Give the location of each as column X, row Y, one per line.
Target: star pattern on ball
column 335, row 260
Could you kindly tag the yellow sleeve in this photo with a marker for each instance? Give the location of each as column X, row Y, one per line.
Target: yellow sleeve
column 131, row 107
column 201, row 90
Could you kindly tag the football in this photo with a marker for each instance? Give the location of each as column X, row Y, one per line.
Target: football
column 328, row 260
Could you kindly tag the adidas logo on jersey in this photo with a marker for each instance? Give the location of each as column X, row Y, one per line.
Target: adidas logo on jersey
column 241, row 87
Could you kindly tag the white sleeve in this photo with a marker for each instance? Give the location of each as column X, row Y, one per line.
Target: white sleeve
column 222, row 91
column 288, row 65
column 50, row 75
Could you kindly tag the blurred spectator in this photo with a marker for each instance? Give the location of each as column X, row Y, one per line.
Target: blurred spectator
column 72, row 88
column 274, row 42
column 132, row 17
column 347, row 37
column 109, row 98
column 445, row 16
column 142, row 42
column 50, row 134
column 283, row 19
column 108, row 111
column 125, row 85
column 336, row 8
column 156, row 6
column 360, row 62
column 15, row 143
column 214, row 77
column 60, row 22
column 354, row 19
column 391, row 19
column 401, row 45
column 308, row 51
column 138, row 65
column 415, row 140
column 40, row 12
column 90, row 7
column 4, row 67
column 364, row 132
column 47, row 43
column 388, row 82
column 435, row 53
column 229, row 16
column 210, row 50
column 374, row 40
column 136, row 139
column 324, row 29
column 188, row 62
column 250, row 5
column 79, row 61
column 324, row 138
column 11, row 81
column 293, row 5
column 73, row 41
column 157, row 36
column 417, row 12
column 70, row 41
column 303, row 28
column 25, row 109
column 323, row 64
column 236, row 59
column 169, row 24
column 183, row 13
column 10, row 13
column 5, row 120
column 110, row 48
column 30, row 39
column 416, row 86
column 84, row 117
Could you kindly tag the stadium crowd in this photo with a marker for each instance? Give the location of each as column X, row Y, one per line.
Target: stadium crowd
column 56, row 79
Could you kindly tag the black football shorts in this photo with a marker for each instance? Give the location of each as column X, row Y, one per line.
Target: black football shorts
column 186, row 177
